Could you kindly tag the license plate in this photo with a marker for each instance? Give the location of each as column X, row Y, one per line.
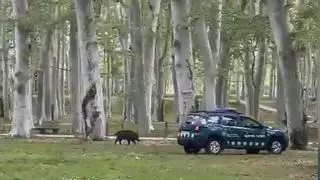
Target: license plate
column 185, row 134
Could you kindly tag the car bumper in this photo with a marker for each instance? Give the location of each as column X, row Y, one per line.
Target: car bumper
column 191, row 142
column 286, row 142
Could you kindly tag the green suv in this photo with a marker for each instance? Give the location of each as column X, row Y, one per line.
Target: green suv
column 218, row 131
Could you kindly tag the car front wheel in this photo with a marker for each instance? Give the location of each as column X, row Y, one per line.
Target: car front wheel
column 275, row 146
column 214, row 146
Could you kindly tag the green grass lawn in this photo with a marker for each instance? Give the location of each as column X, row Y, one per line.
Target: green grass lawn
column 68, row 159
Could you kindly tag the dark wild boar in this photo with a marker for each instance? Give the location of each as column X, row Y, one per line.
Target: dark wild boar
column 126, row 135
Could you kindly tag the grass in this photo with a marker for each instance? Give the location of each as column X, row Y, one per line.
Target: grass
column 68, row 159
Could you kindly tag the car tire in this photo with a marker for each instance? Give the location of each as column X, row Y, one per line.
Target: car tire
column 275, row 146
column 189, row 150
column 252, row 151
column 214, row 146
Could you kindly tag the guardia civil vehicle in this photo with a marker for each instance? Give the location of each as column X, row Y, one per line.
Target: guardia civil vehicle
column 218, row 130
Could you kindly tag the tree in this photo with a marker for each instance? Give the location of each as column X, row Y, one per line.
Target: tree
column 209, row 63
column 149, row 54
column 289, row 74
column 75, row 67
column 137, row 47
column 180, row 11
column 92, row 97
column 22, row 121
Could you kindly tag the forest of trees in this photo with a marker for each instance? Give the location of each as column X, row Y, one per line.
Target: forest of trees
column 70, row 58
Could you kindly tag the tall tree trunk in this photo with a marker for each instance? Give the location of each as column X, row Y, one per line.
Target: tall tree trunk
column 5, row 84
column 281, row 108
column 62, row 78
column 223, row 73
column 160, row 72
column 181, row 50
column 54, row 82
column 209, row 63
column 272, row 74
column 138, row 50
column 43, row 109
column 58, row 76
column 75, row 77
column 149, row 54
column 248, row 82
column 92, row 100
column 257, row 77
column 22, row 121
column 289, row 74
column 124, row 41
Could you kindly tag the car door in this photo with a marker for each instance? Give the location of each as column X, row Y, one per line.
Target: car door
column 255, row 134
column 232, row 132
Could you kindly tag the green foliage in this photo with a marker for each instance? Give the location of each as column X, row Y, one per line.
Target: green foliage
column 306, row 22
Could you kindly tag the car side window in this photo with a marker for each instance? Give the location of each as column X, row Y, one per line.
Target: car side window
column 213, row 120
column 249, row 123
column 228, row 121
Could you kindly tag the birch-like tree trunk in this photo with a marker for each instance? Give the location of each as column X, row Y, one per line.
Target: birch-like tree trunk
column 248, row 82
column 180, row 11
column 62, row 78
column 289, row 74
column 92, row 100
column 209, row 63
column 274, row 60
column 124, row 41
column 43, row 109
column 257, row 77
column 138, row 50
column 5, row 67
column 223, row 73
column 75, row 77
column 22, row 121
column 149, row 54
column 317, row 66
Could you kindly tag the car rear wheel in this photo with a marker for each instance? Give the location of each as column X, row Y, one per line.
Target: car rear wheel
column 253, row 151
column 275, row 146
column 214, row 146
column 189, row 150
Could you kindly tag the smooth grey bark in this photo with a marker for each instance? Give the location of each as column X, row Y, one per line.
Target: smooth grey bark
column 5, row 67
column 43, row 109
column 160, row 72
column 248, row 82
column 108, row 89
column 273, row 62
column 281, row 109
column 289, row 73
column 238, row 81
column 258, row 77
column 124, row 41
column 57, row 71
column 181, row 51
column 223, row 73
column 317, row 67
column 75, row 75
column 149, row 54
column 22, row 120
column 209, row 63
column 138, row 50
column 92, row 104
column 54, row 81
column 62, row 78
